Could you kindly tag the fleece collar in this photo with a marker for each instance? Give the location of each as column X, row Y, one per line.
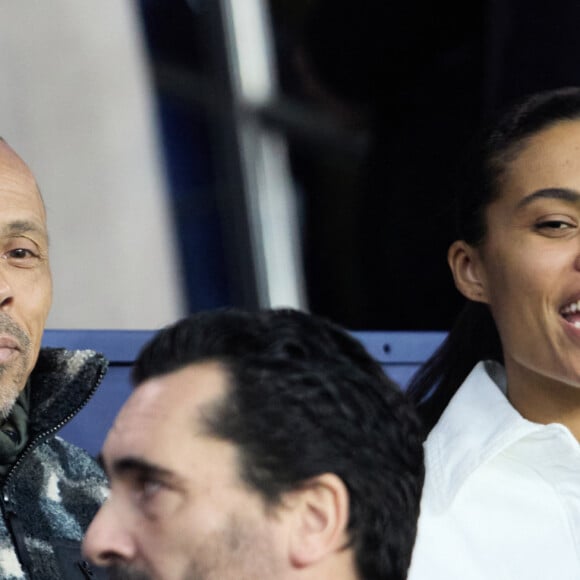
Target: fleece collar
column 61, row 383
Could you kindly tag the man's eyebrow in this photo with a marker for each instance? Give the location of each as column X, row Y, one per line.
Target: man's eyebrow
column 20, row 227
column 137, row 467
column 561, row 193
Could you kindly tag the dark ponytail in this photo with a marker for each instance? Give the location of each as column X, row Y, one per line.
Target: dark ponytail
column 473, row 338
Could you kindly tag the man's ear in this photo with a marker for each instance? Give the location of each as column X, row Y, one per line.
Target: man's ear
column 319, row 520
column 468, row 272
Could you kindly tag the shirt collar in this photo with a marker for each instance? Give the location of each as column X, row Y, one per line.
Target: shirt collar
column 477, row 425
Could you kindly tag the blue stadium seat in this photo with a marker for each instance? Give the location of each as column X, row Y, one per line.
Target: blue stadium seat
column 400, row 354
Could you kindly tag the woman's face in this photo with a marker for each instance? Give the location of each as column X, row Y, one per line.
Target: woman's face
column 528, row 268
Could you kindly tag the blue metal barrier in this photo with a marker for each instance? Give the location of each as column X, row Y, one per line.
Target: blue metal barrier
column 400, row 354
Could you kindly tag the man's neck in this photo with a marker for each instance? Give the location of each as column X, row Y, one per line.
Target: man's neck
column 338, row 566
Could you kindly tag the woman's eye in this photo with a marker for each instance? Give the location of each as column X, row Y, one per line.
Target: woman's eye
column 554, row 225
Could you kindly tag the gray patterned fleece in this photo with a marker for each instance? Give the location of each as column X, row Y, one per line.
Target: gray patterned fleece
column 53, row 490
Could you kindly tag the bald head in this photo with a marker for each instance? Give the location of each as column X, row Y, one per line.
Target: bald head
column 14, row 169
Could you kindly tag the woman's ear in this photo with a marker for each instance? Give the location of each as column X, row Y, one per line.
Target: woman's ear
column 468, row 271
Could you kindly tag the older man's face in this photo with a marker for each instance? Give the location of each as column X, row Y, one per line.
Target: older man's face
column 25, row 280
column 178, row 508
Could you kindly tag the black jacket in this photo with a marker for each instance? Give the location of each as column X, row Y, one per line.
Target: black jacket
column 54, row 489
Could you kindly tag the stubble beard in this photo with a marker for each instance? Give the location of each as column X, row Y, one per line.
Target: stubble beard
column 13, row 374
column 126, row 572
column 236, row 554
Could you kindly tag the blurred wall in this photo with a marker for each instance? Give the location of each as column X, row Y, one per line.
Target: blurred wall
column 76, row 105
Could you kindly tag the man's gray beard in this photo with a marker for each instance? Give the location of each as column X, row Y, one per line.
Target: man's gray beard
column 9, row 393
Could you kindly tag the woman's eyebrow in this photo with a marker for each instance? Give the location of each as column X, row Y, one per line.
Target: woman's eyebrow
column 561, row 193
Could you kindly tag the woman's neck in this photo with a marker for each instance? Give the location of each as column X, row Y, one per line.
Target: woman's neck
column 543, row 400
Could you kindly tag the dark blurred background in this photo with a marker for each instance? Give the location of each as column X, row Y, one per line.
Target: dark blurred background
column 376, row 102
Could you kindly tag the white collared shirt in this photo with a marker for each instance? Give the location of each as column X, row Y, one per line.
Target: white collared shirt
column 502, row 494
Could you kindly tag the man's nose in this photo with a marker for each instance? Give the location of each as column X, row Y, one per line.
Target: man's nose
column 108, row 540
column 6, row 292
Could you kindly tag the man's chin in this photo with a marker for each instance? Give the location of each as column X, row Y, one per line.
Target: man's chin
column 12, row 382
column 7, row 401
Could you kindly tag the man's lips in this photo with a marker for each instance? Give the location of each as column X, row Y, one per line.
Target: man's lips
column 7, row 341
column 9, row 347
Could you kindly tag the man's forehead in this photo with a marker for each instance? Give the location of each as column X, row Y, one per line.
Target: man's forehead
column 168, row 403
column 16, row 177
column 10, row 160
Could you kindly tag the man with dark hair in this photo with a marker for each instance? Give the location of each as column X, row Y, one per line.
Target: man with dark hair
column 259, row 445
column 50, row 489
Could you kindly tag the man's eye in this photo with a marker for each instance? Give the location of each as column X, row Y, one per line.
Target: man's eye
column 21, row 254
column 154, row 498
column 146, row 490
column 21, row 257
column 149, row 489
